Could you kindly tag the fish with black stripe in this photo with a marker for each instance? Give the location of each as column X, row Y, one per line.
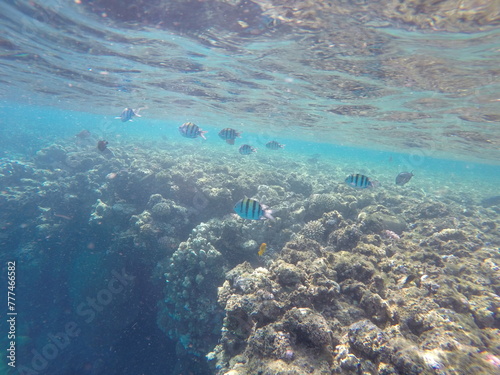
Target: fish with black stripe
column 360, row 181
column 129, row 113
column 246, row 150
column 229, row 135
column 273, row 145
column 190, row 130
column 251, row 209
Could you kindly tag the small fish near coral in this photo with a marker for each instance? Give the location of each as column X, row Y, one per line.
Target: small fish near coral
column 404, row 178
column 251, row 209
column 246, row 150
column 360, row 181
column 102, row 146
column 190, row 130
column 262, row 249
column 128, row 114
column 229, row 135
column 273, row 145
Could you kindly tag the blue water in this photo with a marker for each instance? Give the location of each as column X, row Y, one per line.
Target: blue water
column 26, row 129
column 347, row 90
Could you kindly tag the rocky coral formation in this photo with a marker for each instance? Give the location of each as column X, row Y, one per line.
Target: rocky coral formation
column 364, row 310
column 161, row 219
column 322, row 203
column 188, row 313
column 333, row 293
column 313, row 230
column 349, row 312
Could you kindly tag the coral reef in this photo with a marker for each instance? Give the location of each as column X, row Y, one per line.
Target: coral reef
column 313, row 230
column 188, row 313
column 390, row 280
column 344, row 312
column 321, row 203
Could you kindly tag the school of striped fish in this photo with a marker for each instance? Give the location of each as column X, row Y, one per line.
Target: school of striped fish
column 248, row 208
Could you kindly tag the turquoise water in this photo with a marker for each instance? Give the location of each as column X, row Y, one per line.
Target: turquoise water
column 132, row 260
column 45, row 124
column 365, row 82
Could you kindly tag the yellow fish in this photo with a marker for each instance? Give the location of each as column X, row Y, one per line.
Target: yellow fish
column 262, row 249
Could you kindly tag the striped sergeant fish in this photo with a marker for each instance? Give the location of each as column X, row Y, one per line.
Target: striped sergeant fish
column 246, row 150
column 360, row 181
column 229, row 135
column 273, row 145
column 190, row 130
column 251, row 209
column 129, row 113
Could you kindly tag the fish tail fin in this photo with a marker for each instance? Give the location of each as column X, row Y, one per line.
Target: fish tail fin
column 202, row 134
column 267, row 215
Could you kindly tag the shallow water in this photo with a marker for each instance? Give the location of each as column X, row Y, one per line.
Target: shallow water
column 132, row 260
column 328, row 77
